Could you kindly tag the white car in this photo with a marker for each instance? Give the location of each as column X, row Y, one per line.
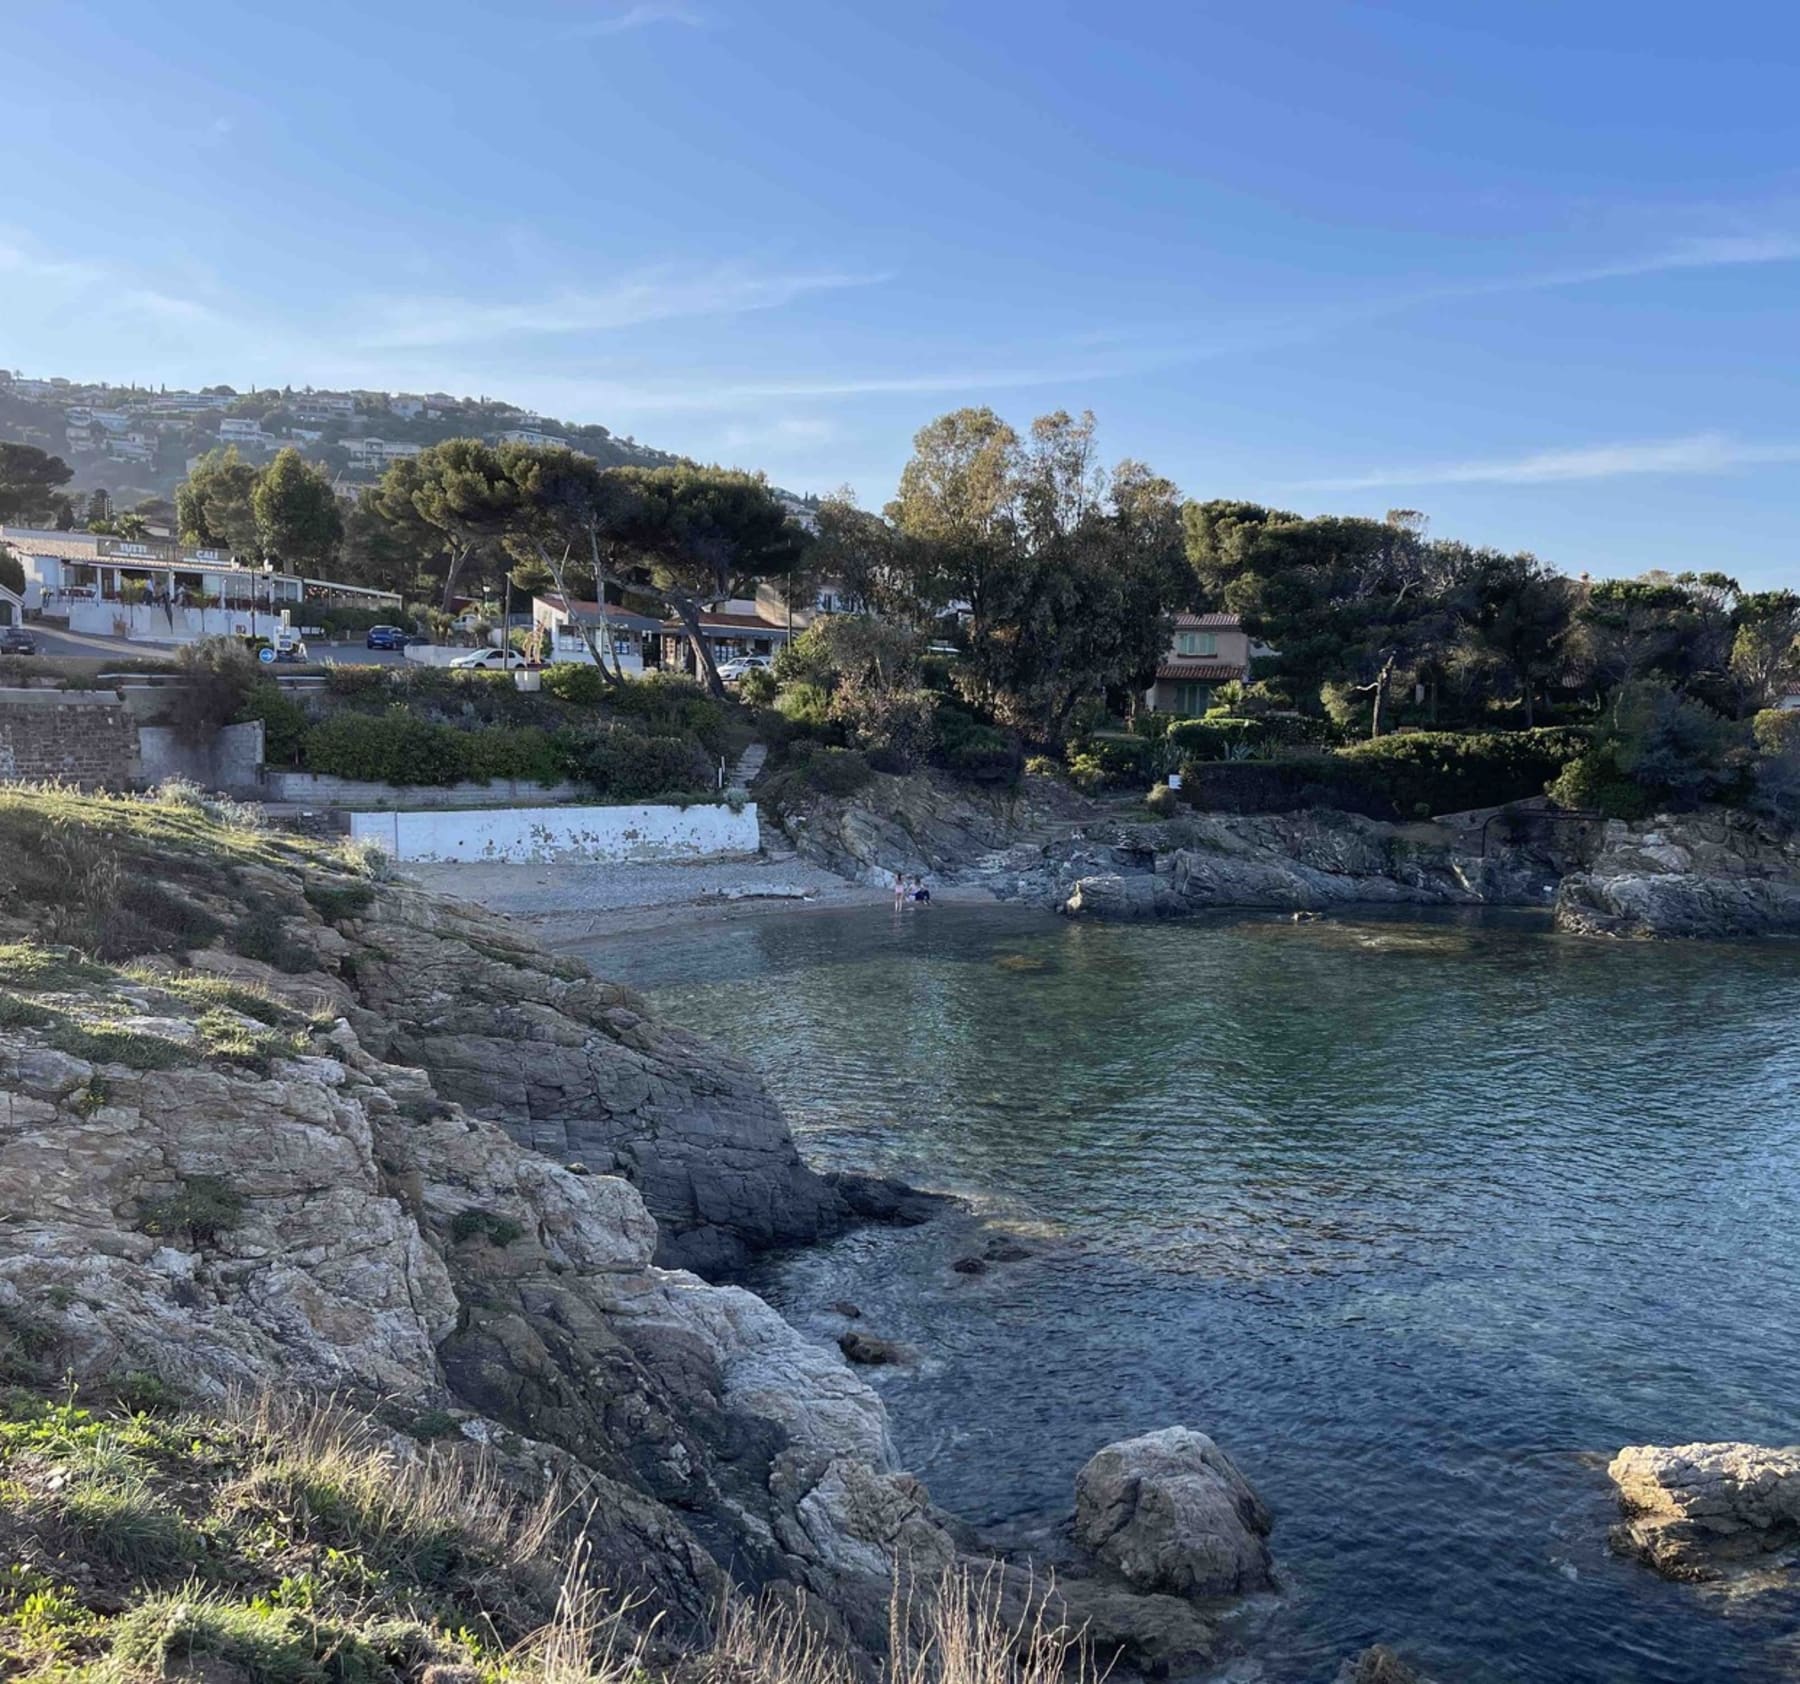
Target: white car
column 488, row 660
column 731, row 671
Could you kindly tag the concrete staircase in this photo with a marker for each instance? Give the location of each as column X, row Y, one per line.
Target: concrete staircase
column 749, row 766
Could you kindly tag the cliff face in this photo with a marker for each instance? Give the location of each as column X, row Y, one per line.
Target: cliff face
column 1715, row 875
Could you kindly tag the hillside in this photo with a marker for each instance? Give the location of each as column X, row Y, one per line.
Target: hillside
column 136, row 441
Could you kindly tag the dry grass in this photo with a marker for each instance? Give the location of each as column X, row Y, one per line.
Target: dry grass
column 964, row 1627
column 419, row 1509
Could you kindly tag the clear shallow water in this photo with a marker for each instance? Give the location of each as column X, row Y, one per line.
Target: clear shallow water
column 1421, row 1220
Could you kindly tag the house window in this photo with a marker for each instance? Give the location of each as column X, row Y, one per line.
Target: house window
column 1196, row 643
column 1193, row 698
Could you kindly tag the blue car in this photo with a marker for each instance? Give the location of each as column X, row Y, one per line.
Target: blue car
column 390, row 637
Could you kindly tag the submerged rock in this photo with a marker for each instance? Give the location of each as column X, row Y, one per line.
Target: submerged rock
column 1694, row 1511
column 1170, row 1512
column 1378, row 1664
column 869, row 1349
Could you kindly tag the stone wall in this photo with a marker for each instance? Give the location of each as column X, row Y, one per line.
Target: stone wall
column 83, row 737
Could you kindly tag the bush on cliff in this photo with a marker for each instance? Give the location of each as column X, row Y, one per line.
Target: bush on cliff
column 398, row 747
column 1654, row 749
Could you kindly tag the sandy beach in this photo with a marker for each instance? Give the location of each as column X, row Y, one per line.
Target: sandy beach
column 570, row 902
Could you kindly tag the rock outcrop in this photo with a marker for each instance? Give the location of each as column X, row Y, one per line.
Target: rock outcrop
column 1312, row 861
column 1170, row 1513
column 280, row 1152
column 1699, row 1511
column 579, row 1070
column 1378, row 1664
column 1716, row 875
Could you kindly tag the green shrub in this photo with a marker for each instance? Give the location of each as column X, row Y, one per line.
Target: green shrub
column 671, row 705
column 475, row 1223
column 1217, row 737
column 521, row 755
column 758, row 688
column 22, row 1014
column 335, row 902
column 1592, row 782
column 625, row 764
column 577, row 683
column 1163, row 801
column 364, row 681
column 1109, row 762
column 1042, row 766
column 202, row 1208
column 175, row 1635
column 807, row 707
column 973, row 749
column 342, row 620
column 1776, row 730
column 284, row 721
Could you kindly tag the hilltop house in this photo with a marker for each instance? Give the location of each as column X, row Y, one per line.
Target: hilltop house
column 373, row 455
column 1207, row 650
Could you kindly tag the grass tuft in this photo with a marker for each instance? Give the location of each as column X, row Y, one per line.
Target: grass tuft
column 121, row 1522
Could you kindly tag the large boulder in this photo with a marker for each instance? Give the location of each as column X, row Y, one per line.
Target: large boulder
column 1114, row 895
column 1171, row 1513
column 1693, row 1511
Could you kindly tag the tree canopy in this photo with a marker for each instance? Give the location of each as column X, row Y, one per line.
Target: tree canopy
column 31, row 482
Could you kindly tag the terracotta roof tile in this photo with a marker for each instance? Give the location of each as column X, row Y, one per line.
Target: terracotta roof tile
column 1214, row 672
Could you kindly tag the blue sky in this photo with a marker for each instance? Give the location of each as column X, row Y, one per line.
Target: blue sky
column 1534, row 269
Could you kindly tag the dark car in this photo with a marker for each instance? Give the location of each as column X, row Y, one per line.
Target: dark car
column 16, row 640
column 390, row 637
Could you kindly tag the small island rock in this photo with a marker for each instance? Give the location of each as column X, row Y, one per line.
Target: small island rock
column 1691, row 1510
column 1170, row 1512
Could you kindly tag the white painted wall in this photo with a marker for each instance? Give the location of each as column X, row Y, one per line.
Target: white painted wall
column 533, row 835
column 145, row 622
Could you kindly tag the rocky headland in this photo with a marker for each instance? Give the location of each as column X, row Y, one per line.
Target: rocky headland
column 270, row 1126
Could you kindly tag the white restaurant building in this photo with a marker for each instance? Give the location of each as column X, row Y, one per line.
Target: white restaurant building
column 156, row 592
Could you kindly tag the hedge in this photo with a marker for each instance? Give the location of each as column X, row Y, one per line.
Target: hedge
column 1213, row 737
column 1425, row 772
column 1407, row 776
column 398, row 747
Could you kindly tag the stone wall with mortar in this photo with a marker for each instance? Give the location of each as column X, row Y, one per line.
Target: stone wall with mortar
column 84, row 737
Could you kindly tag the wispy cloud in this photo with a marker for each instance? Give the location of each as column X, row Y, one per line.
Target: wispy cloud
column 1697, row 453
column 640, row 16
column 631, row 301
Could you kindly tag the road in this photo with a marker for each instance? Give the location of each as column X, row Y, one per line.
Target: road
column 84, row 646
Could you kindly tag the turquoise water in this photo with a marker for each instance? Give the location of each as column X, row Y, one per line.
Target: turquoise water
column 1421, row 1220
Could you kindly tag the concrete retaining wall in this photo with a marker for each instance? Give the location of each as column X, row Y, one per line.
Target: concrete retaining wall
column 311, row 789
column 232, row 761
column 83, row 737
column 537, row 834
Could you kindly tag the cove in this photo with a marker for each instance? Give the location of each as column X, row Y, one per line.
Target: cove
column 1421, row 1219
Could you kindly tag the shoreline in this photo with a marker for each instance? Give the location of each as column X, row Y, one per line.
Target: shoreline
column 569, row 904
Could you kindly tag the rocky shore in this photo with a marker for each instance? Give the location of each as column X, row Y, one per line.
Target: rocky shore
column 305, row 1132
column 1715, row 874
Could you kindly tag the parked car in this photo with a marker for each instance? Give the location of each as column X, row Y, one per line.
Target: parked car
column 16, row 640
column 392, row 637
column 488, row 660
column 738, row 667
